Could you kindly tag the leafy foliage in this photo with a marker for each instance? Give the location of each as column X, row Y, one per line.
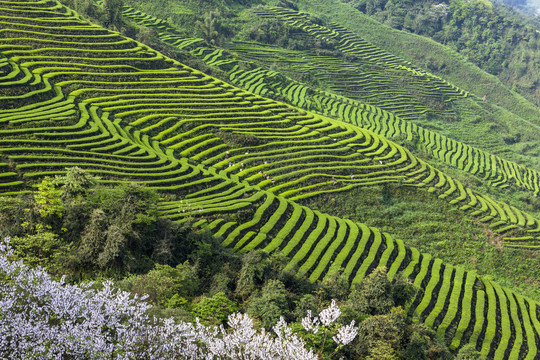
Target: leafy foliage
column 164, row 282
column 271, row 304
column 209, row 26
column 48, row 199
column 215, row 310
column 491, row 36
column 46, row 319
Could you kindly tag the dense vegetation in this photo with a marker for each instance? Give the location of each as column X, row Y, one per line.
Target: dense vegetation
column 80, row 229
column 213, row 199
column 255, row 81
column 493, row 37
column 43, row 318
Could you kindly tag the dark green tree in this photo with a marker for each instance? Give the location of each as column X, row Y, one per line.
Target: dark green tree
column 270, row 304
column 112, row 16
column 373, row 296
column 252, row 273
column 44, row 248
column 122, row 230
column 209, row 27
column 416, row 348
column 13, row 214
column 214, row 310
column 335, row 285
column 468, row 352
column 423, row 344
column 381, row 334
column 164, row 282
column 306, row 302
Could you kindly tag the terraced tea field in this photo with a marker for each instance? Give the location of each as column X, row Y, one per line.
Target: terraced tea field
column 73, row 93
column 493, row 169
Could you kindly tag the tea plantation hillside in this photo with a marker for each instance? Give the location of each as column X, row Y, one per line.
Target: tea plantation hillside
column 376, row 91
column 76, row 94
column 490, row 137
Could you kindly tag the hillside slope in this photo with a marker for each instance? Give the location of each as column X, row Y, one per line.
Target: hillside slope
column 74, row 93
column 426, row 141
column 402, row 107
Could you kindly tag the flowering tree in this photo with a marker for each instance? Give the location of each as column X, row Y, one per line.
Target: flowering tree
column 41, row 318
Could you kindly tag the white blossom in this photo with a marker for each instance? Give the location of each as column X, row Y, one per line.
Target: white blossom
column 42, row 318
column 346, row 334
column 330, row 314
column 310, row 324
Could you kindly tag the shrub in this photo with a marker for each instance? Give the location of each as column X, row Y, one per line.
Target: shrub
column 41, row 318
column 214, row 310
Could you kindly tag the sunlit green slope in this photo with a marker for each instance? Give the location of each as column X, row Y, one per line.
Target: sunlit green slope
column 73, row 93
column 370, row 77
